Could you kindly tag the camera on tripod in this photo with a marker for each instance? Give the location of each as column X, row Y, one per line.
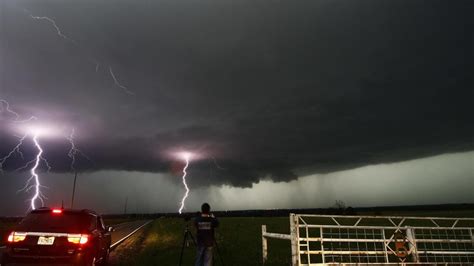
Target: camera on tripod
column 188, row 235
column 188, row 216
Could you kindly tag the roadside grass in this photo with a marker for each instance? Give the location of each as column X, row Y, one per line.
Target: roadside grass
column 128, row 248
column 115, row 221
column 239, row 242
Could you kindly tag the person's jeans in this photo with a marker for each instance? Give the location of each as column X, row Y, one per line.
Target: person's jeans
column 204, row 256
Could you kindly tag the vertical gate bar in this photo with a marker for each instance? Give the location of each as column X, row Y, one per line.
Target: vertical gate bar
column 264, row 245
column 307, row 243
column 322, row 244
column 298, row 247
column 412, row 244
column 472, row 239
column 294, row 240
column 385, row 243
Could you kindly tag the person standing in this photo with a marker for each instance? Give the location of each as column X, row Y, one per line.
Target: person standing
column 205, row 224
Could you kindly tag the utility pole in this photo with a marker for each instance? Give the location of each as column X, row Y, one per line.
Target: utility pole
column 125, row 206
column 73, row 189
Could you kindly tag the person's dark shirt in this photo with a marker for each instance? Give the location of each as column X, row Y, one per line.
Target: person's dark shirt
column 205, row 225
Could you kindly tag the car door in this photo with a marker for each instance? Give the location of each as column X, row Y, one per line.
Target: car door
column 108, row 234
column 96, row 235
column 104, row 235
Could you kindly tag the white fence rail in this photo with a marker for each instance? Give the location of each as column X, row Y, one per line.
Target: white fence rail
column 329, row 239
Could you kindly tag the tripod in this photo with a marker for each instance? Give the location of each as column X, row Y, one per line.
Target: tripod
column 187, row 234
column 218, row 252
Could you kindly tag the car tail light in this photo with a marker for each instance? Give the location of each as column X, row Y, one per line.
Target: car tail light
column 16, row 237
column 57, row 211
column 78, row 238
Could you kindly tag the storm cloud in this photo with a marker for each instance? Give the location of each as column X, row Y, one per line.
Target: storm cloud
column 263, row 90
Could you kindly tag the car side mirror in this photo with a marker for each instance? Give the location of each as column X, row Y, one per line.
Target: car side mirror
column 110, row 229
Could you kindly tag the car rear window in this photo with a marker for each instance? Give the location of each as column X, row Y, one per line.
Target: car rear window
column 52, row 222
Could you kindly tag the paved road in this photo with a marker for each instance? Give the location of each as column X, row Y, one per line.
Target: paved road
column 124, row 230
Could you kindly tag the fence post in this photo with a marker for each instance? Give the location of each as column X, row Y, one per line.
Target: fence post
column 412, row 244
column 264, row 245
column 472, row 236
column 294, row 240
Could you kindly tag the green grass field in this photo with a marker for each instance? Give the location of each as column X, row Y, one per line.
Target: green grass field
column 239, row 241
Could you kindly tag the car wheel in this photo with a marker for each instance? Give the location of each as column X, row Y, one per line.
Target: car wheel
column 90, row 261
column 93, row 262
column 105, row 259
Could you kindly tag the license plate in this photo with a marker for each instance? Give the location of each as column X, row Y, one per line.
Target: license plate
column 44, row 240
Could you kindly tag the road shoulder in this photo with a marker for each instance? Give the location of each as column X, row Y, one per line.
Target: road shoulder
column 122, row 254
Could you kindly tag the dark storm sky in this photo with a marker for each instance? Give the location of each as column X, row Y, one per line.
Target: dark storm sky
column 260, row 88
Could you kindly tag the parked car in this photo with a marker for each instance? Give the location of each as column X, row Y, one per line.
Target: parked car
column 49, row 236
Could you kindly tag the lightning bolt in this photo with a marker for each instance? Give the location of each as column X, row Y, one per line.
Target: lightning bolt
column 118, row 83
column 15, row 150
column 186, row 157
column 38, row 195
column 34, row 181
column 5, row 108
column 73, row 151
column 35, row 176
column 52, row 22
column 62, row 35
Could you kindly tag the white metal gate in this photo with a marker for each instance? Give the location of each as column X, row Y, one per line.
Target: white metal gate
column 329, row 239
